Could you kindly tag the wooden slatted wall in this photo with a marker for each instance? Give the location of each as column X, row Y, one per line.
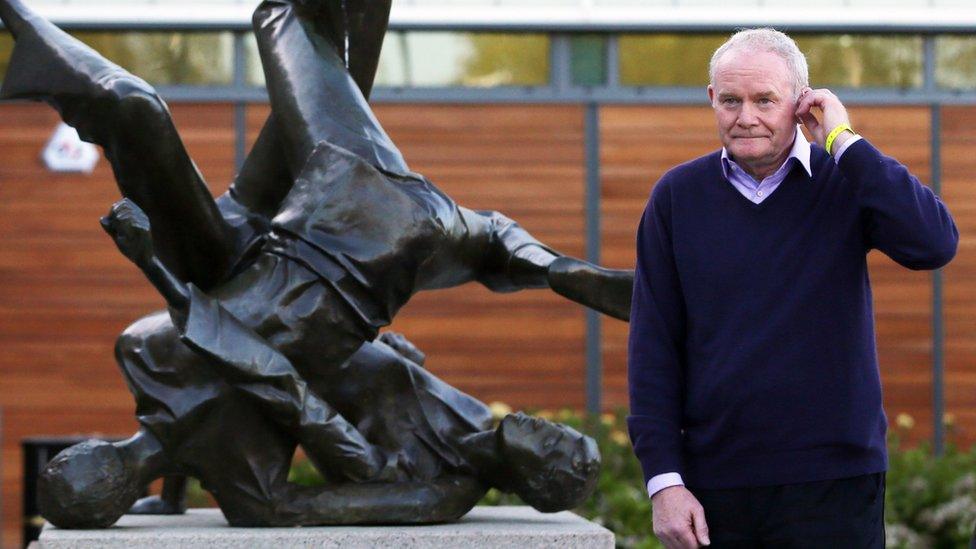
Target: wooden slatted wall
column 65, row 293
column 959, row 191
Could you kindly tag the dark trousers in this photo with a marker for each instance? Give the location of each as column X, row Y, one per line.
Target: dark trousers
column 846, row 513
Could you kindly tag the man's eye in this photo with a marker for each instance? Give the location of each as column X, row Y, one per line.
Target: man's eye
column 765, row 101
column 729, row 101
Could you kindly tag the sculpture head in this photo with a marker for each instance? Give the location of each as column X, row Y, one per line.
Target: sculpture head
column 88, row 485
column 550, row 466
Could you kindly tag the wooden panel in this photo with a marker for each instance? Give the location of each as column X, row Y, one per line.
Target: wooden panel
column 65, row 292
column 959, row 193
column 640, row 143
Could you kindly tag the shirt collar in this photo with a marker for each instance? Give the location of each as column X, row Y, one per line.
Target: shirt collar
column 800, row 151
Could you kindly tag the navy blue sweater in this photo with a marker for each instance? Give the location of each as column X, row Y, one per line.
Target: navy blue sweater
column 751, row 355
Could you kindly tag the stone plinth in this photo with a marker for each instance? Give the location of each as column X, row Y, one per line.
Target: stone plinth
column 483, row 527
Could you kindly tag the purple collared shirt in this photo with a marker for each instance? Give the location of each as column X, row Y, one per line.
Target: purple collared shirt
column 755, row 191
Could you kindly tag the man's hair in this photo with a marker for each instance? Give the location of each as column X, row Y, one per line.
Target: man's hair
column 768, row 40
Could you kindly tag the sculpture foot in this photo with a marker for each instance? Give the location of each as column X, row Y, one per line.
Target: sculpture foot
column 155, row 505
column 605, row 290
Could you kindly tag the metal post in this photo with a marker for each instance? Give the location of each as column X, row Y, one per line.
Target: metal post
column 938, row 328
column 613, row 61
column 560, row 63
column 594, row 339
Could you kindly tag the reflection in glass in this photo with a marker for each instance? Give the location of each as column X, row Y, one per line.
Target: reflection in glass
column 840, row 60
column 955, row 62
column 168, row 58
column 439, row 59
column 860, row 61
column 589, row 55
column 6, row 46
column 432, row 59
column 667, row 59
column 253, row 72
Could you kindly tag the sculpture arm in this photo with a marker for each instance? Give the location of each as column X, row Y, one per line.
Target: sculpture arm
column 441, row 500
column 122, row 113
column 403, row 346
column 129, row 228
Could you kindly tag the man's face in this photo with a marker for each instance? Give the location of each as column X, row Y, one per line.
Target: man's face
column 755, row 109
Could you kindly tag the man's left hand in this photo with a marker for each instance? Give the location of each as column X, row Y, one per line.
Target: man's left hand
column 833, row 114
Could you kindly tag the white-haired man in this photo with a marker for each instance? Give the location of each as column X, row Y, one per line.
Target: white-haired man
column 754, row 384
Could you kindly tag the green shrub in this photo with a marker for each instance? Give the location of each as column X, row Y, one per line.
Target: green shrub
column 930, row 502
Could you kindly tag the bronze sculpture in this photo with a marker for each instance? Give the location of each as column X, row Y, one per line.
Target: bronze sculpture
column 277, row 290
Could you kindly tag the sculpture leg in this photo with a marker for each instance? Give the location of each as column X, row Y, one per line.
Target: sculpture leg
column 516, row 260
column 407, row 502
column 123, row 114
column 216, row 357
column 265, row 179
column 313, row 96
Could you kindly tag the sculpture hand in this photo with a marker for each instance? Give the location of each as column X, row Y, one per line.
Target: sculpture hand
column 128, row 226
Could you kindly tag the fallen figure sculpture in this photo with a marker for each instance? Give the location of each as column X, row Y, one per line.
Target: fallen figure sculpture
column 277, row 291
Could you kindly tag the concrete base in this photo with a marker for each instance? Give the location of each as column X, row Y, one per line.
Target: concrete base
column 495, row 527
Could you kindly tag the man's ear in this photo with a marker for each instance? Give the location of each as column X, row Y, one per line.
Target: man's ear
column 711, row 95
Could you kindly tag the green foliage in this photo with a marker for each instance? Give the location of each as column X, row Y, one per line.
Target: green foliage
column 930, row 502
column 507, row 60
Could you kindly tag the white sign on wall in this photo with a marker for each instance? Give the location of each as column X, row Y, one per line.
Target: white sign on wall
column 66, row 152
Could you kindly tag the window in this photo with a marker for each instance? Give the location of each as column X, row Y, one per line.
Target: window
column 667, row 59
column 838, row 60
column 168, row 58
column 863, row 61
column 430, row 59
column 589, row 54
column 955, row 62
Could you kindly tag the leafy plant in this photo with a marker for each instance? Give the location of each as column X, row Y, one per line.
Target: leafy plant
column 930, row 502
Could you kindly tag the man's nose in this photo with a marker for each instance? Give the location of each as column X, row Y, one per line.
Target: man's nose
column 747, row 117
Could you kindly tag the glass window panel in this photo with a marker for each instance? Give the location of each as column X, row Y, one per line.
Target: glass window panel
column 6, row 46
column 955, row 62
column 589, row 54
column 860, row 61
column 667, row 59
column 253, row 72
column 168, row 58
column 433, row 59
column 840, row 60
column 418, row 59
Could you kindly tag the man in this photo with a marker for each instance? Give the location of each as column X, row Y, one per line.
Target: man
column 755, row 395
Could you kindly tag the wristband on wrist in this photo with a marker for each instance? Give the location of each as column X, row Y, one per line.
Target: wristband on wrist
column 834, row 133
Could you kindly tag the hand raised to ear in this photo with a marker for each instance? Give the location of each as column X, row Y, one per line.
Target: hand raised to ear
column 833, row 114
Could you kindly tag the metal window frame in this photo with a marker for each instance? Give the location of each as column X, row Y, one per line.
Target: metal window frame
column 562, row 90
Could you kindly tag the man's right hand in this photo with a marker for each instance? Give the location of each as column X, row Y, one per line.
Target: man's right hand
column 679, row 520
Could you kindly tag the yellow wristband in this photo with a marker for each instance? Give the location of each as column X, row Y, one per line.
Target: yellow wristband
column 834, row 133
